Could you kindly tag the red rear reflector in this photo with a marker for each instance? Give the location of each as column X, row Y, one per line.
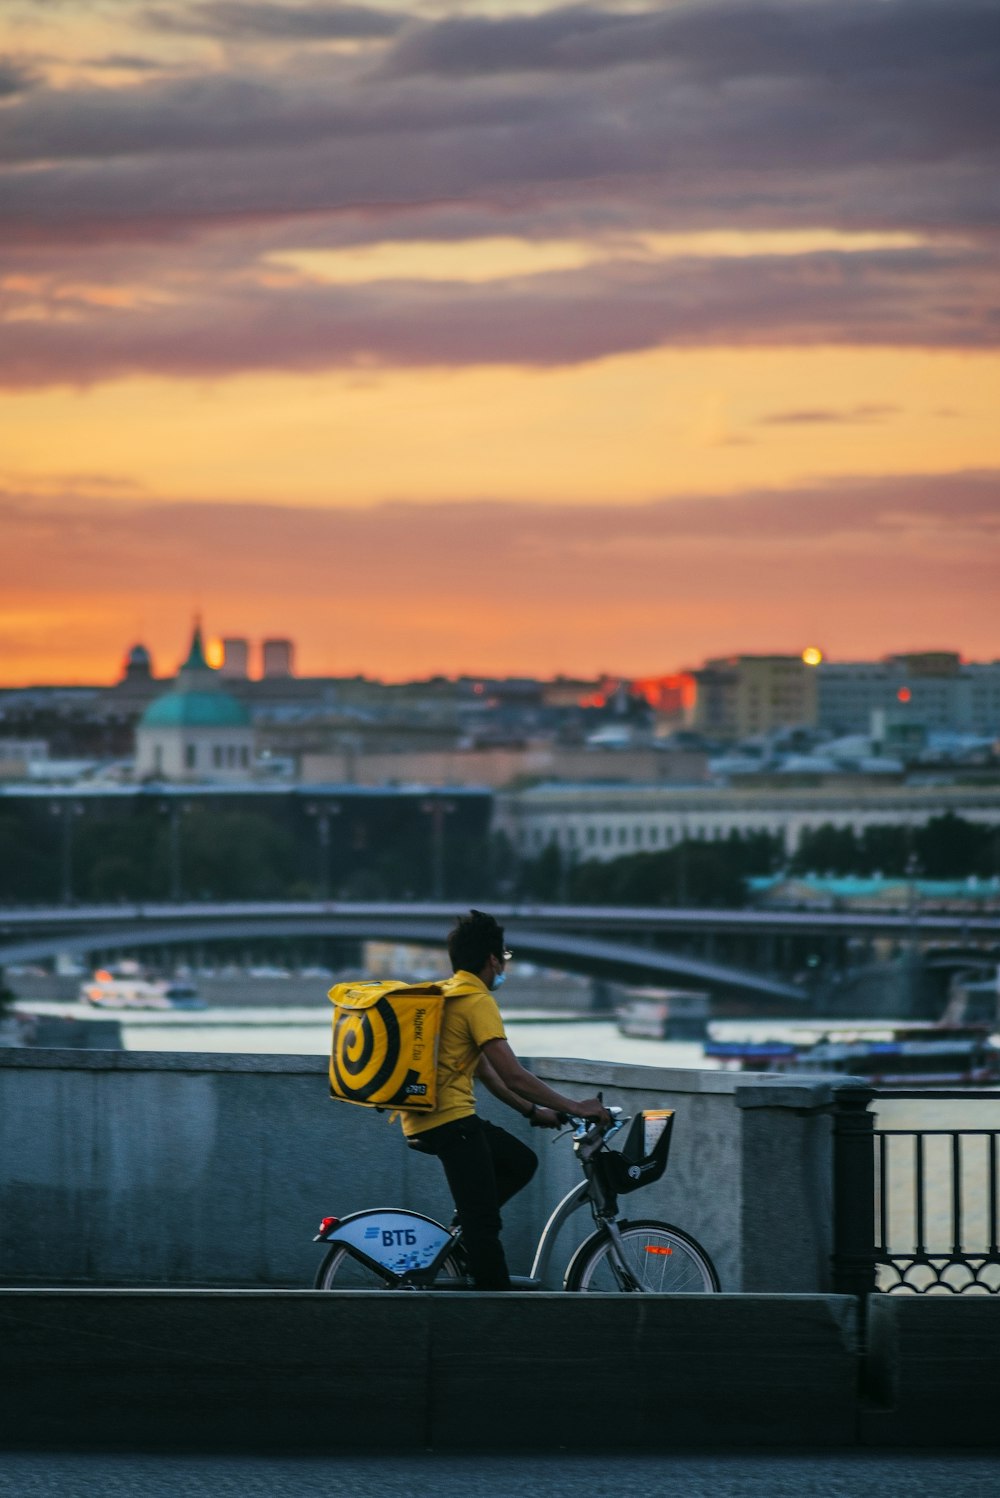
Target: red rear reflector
column 655, row 1248
column 328, row 1223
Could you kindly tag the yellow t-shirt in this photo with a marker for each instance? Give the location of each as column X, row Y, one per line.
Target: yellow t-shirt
column 470, row 1019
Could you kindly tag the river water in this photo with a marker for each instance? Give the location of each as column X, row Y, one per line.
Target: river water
column 304, row 1032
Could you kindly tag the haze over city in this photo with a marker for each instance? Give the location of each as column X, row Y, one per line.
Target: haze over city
column 530, row 339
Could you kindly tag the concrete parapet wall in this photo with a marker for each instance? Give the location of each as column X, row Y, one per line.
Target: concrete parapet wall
column 159, row 1169
column 932, row 1375
column 353, row 1370
column 307, row 1369
column 127, row 1168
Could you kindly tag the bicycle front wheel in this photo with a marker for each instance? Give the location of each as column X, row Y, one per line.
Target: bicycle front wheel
column 661, row 1260
column 340, row 1270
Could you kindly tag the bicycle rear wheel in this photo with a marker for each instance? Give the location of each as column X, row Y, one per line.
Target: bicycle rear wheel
column 340, row 1270
column 661, row 1260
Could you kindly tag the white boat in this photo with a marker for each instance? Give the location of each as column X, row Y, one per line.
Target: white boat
column 126, row 987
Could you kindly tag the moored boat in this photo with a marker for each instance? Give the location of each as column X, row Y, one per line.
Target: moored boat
column 897, row 1056
column 664, row 1014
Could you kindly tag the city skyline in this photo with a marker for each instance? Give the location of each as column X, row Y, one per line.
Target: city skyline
column 251, row 665
column 533, row 340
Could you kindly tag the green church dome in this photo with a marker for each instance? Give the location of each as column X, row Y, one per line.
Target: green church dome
column 195, row 701
column 195, row 710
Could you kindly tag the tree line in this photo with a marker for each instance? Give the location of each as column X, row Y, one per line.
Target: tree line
column 211, row 851
column 944, row 847
column 692, row 872
column 715, row 872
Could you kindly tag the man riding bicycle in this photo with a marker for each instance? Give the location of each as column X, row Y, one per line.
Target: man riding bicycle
column 484, row 1165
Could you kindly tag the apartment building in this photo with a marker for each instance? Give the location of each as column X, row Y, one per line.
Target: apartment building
column 743, row 696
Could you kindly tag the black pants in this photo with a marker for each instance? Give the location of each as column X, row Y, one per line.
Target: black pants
column 485, row 1166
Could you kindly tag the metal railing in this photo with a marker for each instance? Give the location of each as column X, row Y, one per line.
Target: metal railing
column 936, row 1203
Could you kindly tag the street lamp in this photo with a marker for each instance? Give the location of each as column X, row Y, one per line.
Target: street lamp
column 67, row 810
column 681, row 867
column 323, row 811
column 567, row 867
column 913, row 921
column 437, row 809
column 174, row 809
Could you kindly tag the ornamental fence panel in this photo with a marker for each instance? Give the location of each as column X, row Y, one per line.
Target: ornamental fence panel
column 937, row 1189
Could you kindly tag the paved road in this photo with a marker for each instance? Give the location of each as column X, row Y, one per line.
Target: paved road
column 733, row 1475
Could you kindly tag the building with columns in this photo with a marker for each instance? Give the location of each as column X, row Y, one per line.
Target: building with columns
column 606, row 822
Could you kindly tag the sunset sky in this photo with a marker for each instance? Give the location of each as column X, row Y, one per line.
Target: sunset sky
column 498, row 337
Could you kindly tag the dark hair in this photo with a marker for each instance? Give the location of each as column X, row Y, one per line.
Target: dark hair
column 473, row 940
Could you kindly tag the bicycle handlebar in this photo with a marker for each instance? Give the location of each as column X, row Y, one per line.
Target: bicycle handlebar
column 582, row 1126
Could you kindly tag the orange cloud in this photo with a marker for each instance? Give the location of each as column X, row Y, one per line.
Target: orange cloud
column 402, row 590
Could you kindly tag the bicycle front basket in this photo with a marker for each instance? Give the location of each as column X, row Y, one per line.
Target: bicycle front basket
column 643, row 1157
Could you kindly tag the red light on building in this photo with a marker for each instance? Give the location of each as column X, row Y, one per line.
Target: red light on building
column 667, row 694
column 904, row 694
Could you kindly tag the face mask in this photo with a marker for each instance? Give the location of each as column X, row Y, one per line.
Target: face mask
column 499, row 980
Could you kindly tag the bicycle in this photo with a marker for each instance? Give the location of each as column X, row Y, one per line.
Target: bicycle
column 394, row 1249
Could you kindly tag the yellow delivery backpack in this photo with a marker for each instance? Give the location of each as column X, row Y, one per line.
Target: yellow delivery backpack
column 385, row 1044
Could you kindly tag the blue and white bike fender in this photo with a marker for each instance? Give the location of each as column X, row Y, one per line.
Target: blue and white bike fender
column 399, row 1241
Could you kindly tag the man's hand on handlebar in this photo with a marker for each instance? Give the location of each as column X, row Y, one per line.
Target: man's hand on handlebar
column 545, row 1118
column 592, row 1107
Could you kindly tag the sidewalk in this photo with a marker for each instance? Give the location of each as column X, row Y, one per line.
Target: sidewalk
column 814, row 1474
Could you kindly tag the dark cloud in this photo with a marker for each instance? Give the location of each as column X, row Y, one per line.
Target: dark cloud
column 570, row 38
column 578, row 122
column 843, row 115
column 235, row 19
column 15, row 77
column 720, row 42
column 489, row 155
column 916, row 298
column 852, row 415
column 126, row 63
column 161, row 119
column 263, row 118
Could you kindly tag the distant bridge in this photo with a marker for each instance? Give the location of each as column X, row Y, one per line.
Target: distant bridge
column 573, row 939
column 639, row 920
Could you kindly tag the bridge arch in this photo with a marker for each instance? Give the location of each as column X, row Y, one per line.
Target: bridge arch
column 594, row 956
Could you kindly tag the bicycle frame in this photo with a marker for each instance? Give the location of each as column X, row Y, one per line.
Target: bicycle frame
column 408, row 1249
column 571, row 1202
column 403, row 1246
column 604, row 1206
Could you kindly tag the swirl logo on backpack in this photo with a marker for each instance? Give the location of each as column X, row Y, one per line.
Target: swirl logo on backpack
column 385, row 1043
